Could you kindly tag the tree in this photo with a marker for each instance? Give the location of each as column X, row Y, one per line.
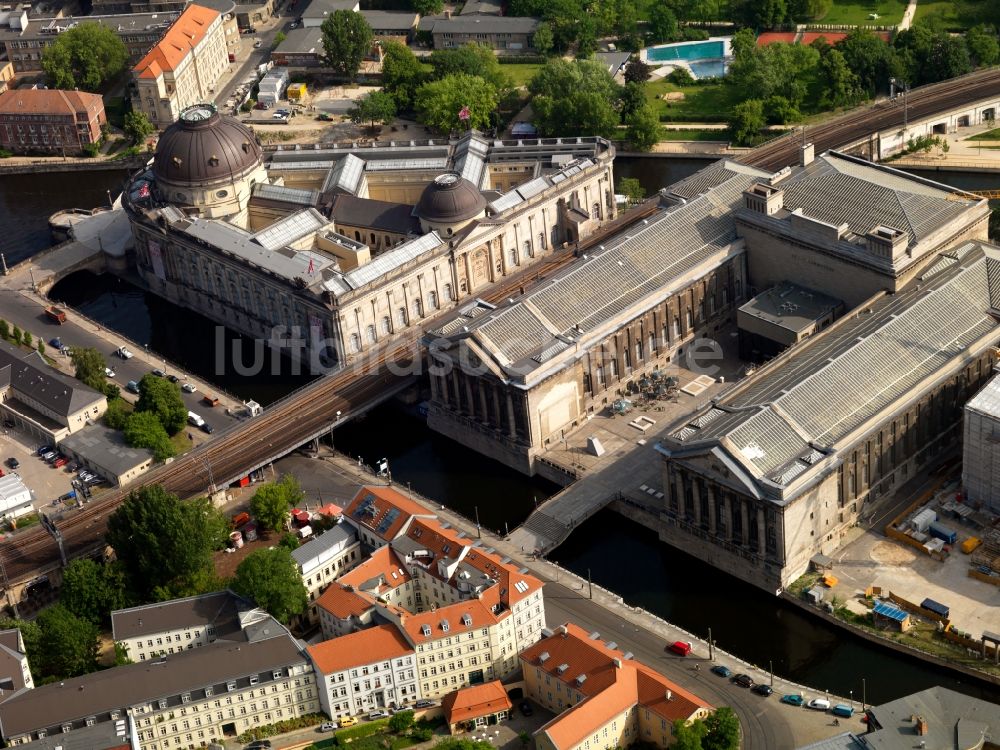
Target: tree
column 85, row 57
column 41, row 346
column 401, row 722
column 841, row 87
column 637, row 71
column 809, row 10
column 779, row 111
column 631, row 188
column 662, row 23
column 137, row 126
column 271, row 578
column 427, row 7
column 643, row 128
column 681, row 77
column 117, row 413
column 162, row 398
column 460, row 743
column 91, row 590
column 213, row 525
column 90, row 366
column 144, row 430
column 565, row 18
column 347, row 38
column 26, row 339
column 31, row 634
column 472, row 60
column 279, row 38
column 375, row 107
column 438, row 103
column 271, row 502
column 872, row 60
column 575, row 98
column 68, row 644
column 688, row 736
column 746, row 121
column 723, row 730
column 543, row 40
column 16, row 335
column 401, row 72
column 983, row 45
column 159, row 541
column 4, row 329
column 633, row 99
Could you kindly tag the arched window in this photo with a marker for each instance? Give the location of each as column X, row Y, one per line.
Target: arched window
column 432, row 300
column 355, row 343
column 527, row 249
column 386, row 326
column 595, row 211
column 512, row 257
column 371, row 334
column 541, row 240
column 387, row 241
column 447, row 293
column 401, row 317
column 418, row 308
column 464, row 286
column 357, row 235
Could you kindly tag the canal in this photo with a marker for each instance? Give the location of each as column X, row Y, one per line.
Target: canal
column 619, row 554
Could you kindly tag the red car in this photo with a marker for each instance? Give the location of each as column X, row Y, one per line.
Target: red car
column 61, row 461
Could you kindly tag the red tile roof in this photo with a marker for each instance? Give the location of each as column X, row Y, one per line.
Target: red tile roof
column 50, row 102
column 183, row 36
column 330, row 509
column 479, row 617
column 384, row 564
column 373, row 508
column 380, row 643
column 343, row 602
column 612, row 684
column 475, row 701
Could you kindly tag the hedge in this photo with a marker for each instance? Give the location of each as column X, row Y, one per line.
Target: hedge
column 361, row 730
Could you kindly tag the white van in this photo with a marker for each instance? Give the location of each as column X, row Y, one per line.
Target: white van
column 195, row 420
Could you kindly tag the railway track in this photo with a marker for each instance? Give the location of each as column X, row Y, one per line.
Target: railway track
column 301, row 415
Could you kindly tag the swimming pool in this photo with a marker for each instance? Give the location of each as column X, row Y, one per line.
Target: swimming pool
column 707, row 50
column 707, row 68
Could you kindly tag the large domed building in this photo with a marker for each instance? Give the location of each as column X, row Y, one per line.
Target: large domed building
column 208, row 162
column 449, row 203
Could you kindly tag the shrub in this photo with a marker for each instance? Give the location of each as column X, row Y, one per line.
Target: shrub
column 286, row 725
column 681, row 77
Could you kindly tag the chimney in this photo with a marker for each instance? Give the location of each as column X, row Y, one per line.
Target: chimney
column 993, row 277
column 617, row 662
column 922, row 727
column 807, row 152
column 764, row 199
column 887, row 242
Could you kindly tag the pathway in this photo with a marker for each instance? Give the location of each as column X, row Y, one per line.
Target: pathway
column 908, row 14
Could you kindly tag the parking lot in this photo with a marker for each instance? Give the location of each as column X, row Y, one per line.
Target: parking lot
column 46, row 482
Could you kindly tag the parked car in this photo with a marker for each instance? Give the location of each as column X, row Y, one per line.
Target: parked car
column 819, row 704
column 743, row 680
column 259, row 745
column 43, row 449
column 842, row 709
column 173, row 378
column 258, row 44
column 56, row 343
column 327, row 726
column 13, row 463
column 722, row 671
column 375, row 715
column 525, row 708
column 188, row 388
column 132, row 387
column 347, row 721
column 207, row 428
column 681, row 648
column 762, row 689
column 293, row 25
column 60, row 462
column 49, row 455
column 158, row 373
column 793, row 699
column 108, row 372
column 123, row 352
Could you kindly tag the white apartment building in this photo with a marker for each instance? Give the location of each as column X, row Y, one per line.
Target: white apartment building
column 183, row 68
column 369, row 669
column 323, row 559
column 165, row 628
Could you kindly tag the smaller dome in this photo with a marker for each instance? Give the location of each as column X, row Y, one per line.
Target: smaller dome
column 450, row 199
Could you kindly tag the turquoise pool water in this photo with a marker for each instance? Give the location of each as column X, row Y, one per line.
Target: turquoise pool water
column 687, row 51
column 707, row 69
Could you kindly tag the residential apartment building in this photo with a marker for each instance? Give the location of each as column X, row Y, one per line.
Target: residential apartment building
column 42, row 401
column 22, row 40
column 187, row 699
column 366, row 670
column 183, row 68
column 601, row 697
column 50, row 120
column 15, row 672
column 6, row 75
column 502, row 33
column 325, row 557
column 465, row 611
column 153, row 630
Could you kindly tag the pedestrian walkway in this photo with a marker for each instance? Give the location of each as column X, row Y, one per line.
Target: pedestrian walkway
column 908, row 14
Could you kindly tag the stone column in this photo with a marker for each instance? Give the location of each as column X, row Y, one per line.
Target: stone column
column 727, row 514
column 485, row 416
column 468, row 395
column 435, row 396
column 761, row 531
column 456, row 388
column 696, row 501
column 468, row 276
column 711, row 509
column 510, row 416
column 745, row 522
column 496, row 404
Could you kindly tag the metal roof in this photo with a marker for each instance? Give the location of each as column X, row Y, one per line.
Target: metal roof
column 391, row 260
column 887, row 610
column 987, row 401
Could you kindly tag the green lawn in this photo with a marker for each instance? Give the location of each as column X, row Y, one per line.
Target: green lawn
column 521, row 73
column 954, row 15
column 856, row 12
column 989, row 135
column 709, row 103
column 694, row 134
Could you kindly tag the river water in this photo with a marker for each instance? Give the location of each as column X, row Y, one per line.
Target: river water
column 619, row 554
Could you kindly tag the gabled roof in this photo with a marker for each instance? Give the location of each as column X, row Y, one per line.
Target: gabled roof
column 475, row 701
column 183, row 36
column 382, row 510
column 50, row 101
column 220, row 609
column 29, row 374
column 384, row 569
column 368, row 646
column 343, row 602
